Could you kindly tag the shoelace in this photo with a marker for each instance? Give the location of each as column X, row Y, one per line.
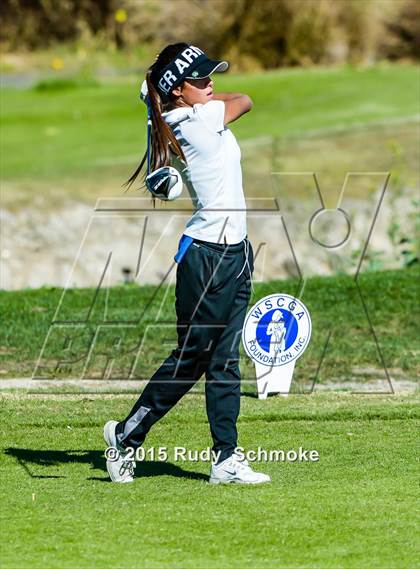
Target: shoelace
column 241, row 464
column 127, row 466
column 246, row 263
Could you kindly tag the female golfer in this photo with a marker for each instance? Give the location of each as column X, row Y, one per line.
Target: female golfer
column 215, row 260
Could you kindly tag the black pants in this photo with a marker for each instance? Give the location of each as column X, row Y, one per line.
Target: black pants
column 211, row 305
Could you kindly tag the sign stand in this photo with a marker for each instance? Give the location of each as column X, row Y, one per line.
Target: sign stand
column 275, row 379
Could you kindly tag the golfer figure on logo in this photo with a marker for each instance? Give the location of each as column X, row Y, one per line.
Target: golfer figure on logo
column 276, row 329
column 187, row 131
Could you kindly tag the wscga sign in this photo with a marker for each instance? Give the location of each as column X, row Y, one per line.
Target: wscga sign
column 276, row 332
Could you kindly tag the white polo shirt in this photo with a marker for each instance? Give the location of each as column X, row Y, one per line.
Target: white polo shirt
column 213, row 175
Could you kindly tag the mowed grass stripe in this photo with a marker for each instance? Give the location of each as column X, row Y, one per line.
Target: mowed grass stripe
column 53, row 134
column 391, row 298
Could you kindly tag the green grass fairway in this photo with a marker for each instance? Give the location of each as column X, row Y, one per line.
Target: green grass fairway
column 82, row 139
column 352, row 509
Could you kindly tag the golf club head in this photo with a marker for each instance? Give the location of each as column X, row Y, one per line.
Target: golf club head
column 165, row 183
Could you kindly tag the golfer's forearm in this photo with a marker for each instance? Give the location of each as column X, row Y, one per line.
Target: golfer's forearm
column 226, row 96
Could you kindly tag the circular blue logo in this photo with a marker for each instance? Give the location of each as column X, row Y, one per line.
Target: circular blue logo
column 277, row 330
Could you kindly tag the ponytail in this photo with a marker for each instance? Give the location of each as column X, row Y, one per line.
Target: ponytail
column 164, row 144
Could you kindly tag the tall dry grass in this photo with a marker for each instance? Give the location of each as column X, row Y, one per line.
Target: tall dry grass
column 254, row 34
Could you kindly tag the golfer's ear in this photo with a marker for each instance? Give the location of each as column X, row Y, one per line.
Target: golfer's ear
column 237, row 107
column 177, row 91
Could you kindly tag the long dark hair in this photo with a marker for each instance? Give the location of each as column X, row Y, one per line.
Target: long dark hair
column 164, row 144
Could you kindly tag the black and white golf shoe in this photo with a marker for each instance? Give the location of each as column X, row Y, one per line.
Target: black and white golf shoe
column 120, row 469
column 236, row 471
